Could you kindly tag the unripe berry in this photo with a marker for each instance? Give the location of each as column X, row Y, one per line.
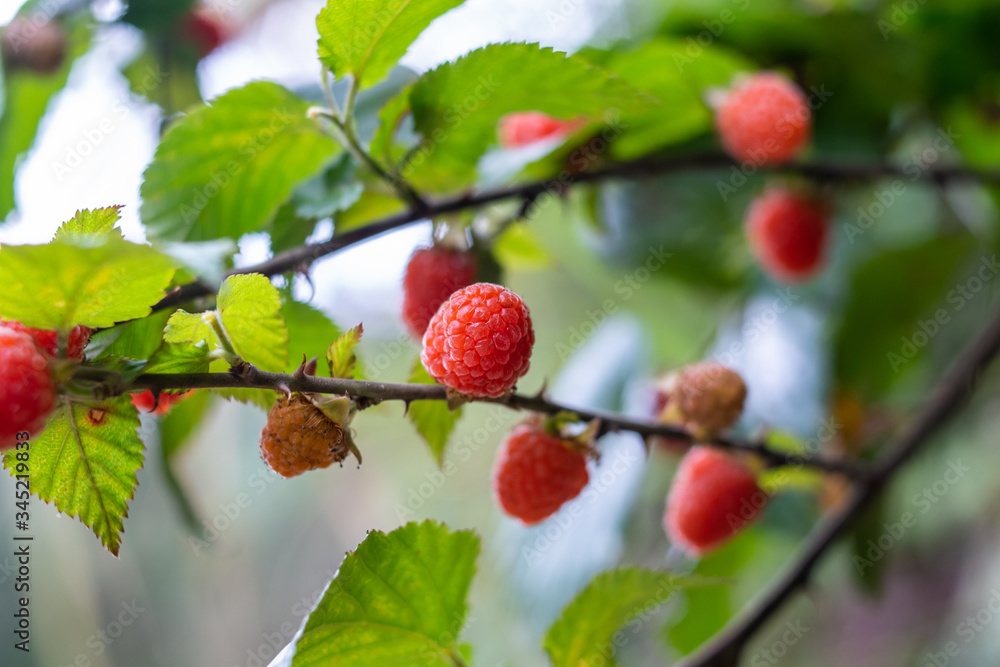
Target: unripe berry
column 33, row 44
column 432, row 275
column 27, row 390
column 479, row 342
column 527, row 127
column 788, row 233
column 536, row 472
column 764, row 119
column 713, row 497
column 48, row 340
column 301, row 436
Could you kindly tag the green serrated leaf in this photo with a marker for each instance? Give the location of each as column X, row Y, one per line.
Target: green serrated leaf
column 365, row 38
column 193, row 328
column 399, row 599
column 250, row 307
column 137, row 339
column 225, row 169
column 500, row 79
column 309, row 332
column 90, row 221
column 94, row 281
column 583, row 633
column 432, row 419
column 341, row 358
column 85, row 463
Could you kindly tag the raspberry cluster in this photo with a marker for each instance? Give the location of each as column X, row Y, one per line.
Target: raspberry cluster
column 479, row 341
column 713, row 497
column 536, row 472
column 788, row 233
column 432, row 275
column 764, row 119
column 27, row 389
column 527, row 127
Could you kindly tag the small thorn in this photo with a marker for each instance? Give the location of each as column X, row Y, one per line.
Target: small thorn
column 284, row 390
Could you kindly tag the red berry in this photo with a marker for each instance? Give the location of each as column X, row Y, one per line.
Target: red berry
column 479, row 341
column 764, row 119
column 300, row 437
column 713, row 497
column 527, row 127
column 33, row 44
column 536, row 473
column 709, row 396
column 431, row 277
column 205, row 32
column 48, row 340
column 145, row 401
column 788, row 234
column 27, row 390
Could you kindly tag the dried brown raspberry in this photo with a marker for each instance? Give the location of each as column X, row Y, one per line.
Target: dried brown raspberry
column 708, row 397
column 299, row 436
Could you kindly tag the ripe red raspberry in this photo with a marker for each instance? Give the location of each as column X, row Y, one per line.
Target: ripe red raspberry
column 203, row 31
column 145, row 401
column 479, row 341
column 764, row 119
column 708, row 397
column 536, row 473
column 713, row 497
column 27, row 390
column 300, row 437
column 48, row 340
column 431, row 277
column 787, row 232
column 33, row 44
column 527, row 127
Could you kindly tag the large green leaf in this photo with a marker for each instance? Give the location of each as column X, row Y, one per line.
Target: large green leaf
column 225, row 169
column 456, row 107
column 399, row 599
column 85, row 463
column 662, row 69
column 310, row 333
column 90, row 280
column 365, row 38
column 874, row 343
column 250, row 307
column 432, row 419
column 583, row 634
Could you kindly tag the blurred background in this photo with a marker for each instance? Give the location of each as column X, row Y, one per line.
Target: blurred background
column 915, row 83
